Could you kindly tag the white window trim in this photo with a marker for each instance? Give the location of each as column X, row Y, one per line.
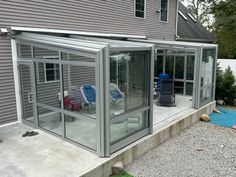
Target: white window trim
column 45, row 74
column 145, row 6
column 168, row 8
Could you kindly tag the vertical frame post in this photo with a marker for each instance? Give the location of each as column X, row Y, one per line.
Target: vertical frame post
column 151, row 89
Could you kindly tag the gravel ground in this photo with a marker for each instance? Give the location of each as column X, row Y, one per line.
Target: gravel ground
column 203, row 150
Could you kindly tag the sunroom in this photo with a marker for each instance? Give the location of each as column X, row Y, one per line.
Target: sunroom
column 70, row 88
column 98, row 93
column 192, row 67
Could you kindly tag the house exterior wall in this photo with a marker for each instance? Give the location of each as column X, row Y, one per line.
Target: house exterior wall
column 105, row 16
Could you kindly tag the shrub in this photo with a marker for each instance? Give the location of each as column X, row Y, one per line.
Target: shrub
column 225, row 85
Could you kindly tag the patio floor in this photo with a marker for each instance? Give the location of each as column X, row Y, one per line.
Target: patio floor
column 41, row 156
column 161, row 113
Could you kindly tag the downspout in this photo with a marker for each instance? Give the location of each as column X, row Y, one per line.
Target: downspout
column 176, row 20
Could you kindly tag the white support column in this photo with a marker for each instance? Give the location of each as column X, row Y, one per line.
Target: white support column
column 16, row 80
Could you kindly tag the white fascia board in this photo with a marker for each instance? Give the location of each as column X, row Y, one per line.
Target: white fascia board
column 45, row 30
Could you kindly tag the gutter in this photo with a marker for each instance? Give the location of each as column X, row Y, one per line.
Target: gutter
column 82, row 33
column 193, row 40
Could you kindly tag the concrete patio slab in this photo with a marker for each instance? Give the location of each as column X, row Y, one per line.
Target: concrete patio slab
column 42, row 155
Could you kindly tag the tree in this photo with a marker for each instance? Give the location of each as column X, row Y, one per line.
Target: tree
column 225, row 85
column 201, row 9
column 224, row 27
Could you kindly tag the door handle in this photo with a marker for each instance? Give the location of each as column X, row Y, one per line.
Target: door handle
column 30, row 97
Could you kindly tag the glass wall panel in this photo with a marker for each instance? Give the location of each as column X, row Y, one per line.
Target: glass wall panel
column 179, row 67
column 48, row 83
column 72, row 57
column 207, row 67
column 79, row 90
column 207, row 74
column 127, row 125
column 129, row 89
column 169, row 67
column 130, row 84
column 43, row 53
column 179, row 87
column 50, row 120
column 24, row 51
column 81, row 130
column 190, row 68
column 158, row 65
column 26, row 93
column 189, row 88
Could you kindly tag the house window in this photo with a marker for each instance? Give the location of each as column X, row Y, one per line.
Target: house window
column 140, row 8
column 51, row 72
column 164, row 10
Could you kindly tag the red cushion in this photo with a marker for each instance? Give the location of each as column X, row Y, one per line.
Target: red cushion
column 66, row 102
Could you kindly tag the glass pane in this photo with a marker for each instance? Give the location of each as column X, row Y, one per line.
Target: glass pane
column 127, row 125
column 79, row 90
column 206, row 93
column 50, row 120
column 129, row 80
column 179, row 67
column 129, row 89
column 26, row 93
column 158, row 67
column 189, row 88
column 72, row 57
column 164, row 8
column 81, row 130
column 190, row 67
column 47, row 92
column 207, row 67
column 42, row 53
column 169, row 68
column 179, row 87
column 24, row 51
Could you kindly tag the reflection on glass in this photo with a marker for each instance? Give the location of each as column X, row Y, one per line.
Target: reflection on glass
column 190, row 68
column 47, row 83
column 169, row 66
column 82, row 131
column 79, row 89
column 43, row 53
column 206, row 93
column 189, row 88
column 50, row 120
column 179, row 67
column 24, row 51
column 179, row 87
column 127, row 125
column 207, row 67
column 73, row 57
column 129, row 80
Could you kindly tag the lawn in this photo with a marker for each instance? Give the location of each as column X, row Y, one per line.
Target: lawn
column 125, row 174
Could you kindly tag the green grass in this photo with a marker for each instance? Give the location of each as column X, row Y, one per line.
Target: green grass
column 125, row 174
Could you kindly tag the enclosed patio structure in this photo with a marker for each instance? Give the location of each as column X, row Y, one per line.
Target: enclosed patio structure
column 68, row 88
column 98, row 93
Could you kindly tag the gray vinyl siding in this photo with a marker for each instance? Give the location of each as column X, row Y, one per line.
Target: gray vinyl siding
column 106, row 16
column 93, row 16
column 7, row 89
